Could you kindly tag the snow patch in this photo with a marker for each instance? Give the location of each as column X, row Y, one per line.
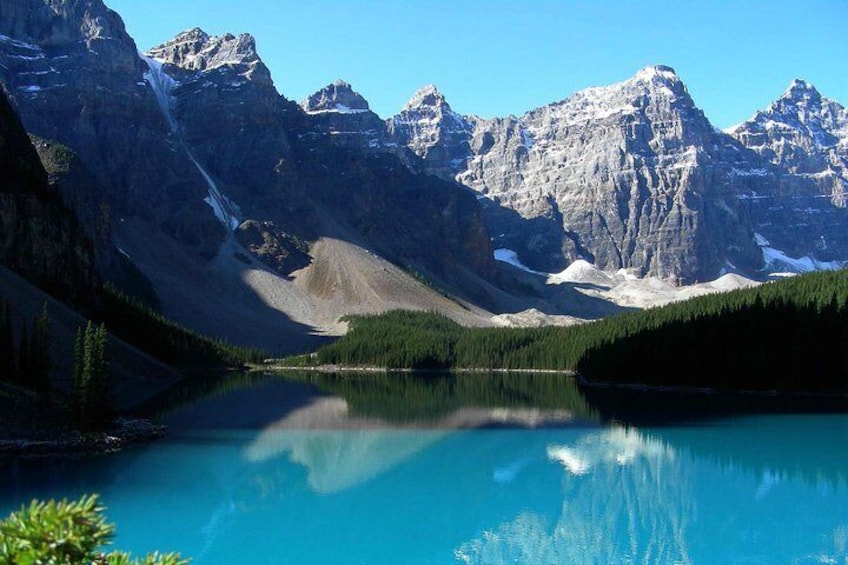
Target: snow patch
column 339, row 109
column 581, row 271
column 505, row 255
column 20, row 44
column 657, row 71
column 222, row 207
column 163, row 84
column 777, row 259
column 760, row 172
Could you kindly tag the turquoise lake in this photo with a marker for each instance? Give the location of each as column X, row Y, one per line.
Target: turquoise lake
column 465, row 469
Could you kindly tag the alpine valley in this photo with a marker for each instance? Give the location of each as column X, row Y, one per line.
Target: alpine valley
column 200, row 189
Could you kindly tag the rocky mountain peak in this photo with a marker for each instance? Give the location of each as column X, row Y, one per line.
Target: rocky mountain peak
column 432, row 130
column 195, row 50
column 654, row 93
column 662, row 73
column 801, row 108
column 806, row 135
column 661, row 79
column 801, row 90
column 337, row 97
column 56, row 22
column 428, row 96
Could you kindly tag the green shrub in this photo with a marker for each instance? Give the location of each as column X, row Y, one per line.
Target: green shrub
column 66, row 533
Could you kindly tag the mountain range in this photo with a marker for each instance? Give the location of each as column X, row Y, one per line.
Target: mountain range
column 248, row 216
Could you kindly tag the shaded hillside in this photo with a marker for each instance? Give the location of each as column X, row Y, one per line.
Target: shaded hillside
column 39, row 236
column 137, row 373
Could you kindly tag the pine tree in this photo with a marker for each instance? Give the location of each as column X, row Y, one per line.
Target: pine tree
column 99, row 389
column 21, row 376
column 92, row 394
column 79, row 377
column 39, row 355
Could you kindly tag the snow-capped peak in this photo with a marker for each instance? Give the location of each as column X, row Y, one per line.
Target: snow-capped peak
column 657, row 72
column 657, row 85
column 801, row 88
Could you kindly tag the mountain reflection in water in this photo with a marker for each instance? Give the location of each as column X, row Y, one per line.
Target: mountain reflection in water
column 469, row 468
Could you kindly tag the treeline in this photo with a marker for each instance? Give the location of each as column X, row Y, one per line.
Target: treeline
column 26, row 362
column 171, row 343
column 26, row 355
column 739, row 339
column 787, row 336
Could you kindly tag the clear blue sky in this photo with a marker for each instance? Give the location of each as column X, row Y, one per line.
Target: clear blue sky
column 497, row 57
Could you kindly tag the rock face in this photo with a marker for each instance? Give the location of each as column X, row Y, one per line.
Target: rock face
column 627, row 176
column 433, row 131
column 634, row 176
column 75, row 77
column 426, row 224
column 39, row 236
column 244, row 155
column 804, row 137
column 339, row 115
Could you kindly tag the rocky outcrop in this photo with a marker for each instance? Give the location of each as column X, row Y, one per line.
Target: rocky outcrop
column 804, row 137
column 341, row 116
column 273, row 246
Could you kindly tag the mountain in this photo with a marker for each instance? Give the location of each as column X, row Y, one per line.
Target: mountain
column 75, row 78
column 248, row 216
column 804, row 136
column 633, row 176
column 238, row 222
column 47, row 259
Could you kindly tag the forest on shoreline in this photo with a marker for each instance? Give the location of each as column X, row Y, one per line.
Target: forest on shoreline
column 787, row 335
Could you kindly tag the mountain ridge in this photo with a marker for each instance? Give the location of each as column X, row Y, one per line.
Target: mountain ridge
column 195, row 149
column 509, row 144
column 235, row 196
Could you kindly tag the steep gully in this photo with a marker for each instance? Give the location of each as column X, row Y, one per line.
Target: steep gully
column 162, row 84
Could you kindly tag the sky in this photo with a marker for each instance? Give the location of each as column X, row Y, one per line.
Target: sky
column 496, row 57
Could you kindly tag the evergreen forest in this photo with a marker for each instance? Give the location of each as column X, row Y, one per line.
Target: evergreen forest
column 787, row 335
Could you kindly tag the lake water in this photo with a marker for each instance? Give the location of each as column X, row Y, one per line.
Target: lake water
column 469, row 469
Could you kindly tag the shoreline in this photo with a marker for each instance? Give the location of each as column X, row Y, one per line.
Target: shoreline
column 127, row 431
column 361, row 369
column 581, row 381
